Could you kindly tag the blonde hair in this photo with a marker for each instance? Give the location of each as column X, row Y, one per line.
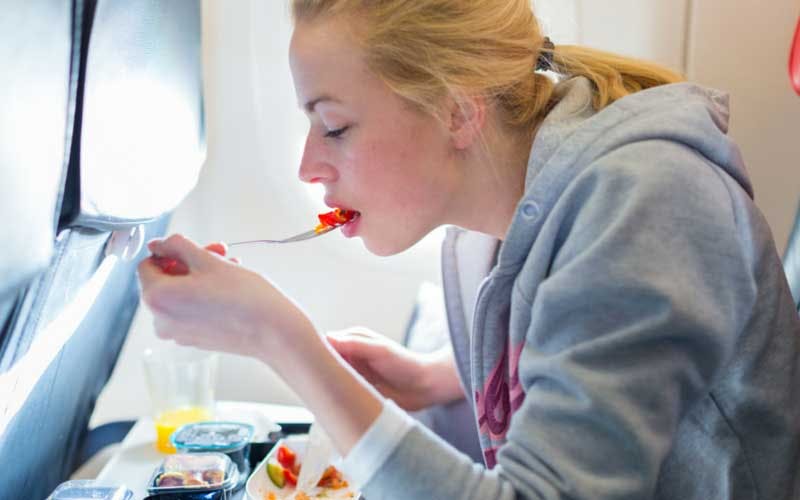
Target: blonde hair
column 427, row 49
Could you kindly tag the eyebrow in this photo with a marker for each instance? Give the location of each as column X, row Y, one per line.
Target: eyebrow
column 310, row 105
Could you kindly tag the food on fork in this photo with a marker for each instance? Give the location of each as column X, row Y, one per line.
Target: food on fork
column 335, row 218
column 329, row 220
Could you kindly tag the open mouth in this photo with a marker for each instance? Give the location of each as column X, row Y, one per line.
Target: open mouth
column 350, row 228
column 335, row 218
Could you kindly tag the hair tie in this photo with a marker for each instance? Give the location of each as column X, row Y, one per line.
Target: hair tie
column 545, row 61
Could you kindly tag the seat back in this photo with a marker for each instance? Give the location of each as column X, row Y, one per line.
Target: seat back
column 101, row 137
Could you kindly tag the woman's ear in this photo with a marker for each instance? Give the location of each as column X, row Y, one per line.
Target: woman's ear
column 466, row 120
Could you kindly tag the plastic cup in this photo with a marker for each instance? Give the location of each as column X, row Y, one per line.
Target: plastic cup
column 181, row 382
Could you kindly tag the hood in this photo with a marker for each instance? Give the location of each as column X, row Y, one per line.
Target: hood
column 574, row 137
column 685, row 113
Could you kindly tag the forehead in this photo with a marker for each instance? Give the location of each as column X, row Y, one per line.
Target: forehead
column 326, row 60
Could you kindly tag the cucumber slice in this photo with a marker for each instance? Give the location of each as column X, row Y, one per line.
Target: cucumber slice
column 275, row 473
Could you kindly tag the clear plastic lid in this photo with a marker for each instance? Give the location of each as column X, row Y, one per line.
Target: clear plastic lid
column 194, row 472
column 265, row 429
column 212, row 436
column 89, row 490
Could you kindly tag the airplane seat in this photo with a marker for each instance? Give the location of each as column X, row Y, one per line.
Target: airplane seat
column 101, row 137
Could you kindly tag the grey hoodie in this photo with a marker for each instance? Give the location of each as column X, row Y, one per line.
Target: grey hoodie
column 635, row 337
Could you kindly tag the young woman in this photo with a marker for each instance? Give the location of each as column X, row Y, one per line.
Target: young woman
column 634, row 337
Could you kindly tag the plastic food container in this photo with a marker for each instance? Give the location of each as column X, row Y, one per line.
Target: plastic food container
column 230, row 438
column 89, row 490
column 266, row 433
column 261, row 487
column 194, row 476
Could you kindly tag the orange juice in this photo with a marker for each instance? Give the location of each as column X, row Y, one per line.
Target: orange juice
column 168, row 421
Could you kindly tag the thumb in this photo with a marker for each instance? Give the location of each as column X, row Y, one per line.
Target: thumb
column 182, row 250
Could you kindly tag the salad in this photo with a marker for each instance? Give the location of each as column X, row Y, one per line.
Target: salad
column 282, row 470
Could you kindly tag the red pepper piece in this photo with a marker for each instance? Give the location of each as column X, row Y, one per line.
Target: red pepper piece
column 290, row 477
column 286, row 457
column 335, row 218
column 328, row 219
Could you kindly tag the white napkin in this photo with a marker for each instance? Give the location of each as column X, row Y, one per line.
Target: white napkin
column 319, row 455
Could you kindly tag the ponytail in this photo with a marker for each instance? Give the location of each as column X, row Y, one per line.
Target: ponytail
column 613, row 76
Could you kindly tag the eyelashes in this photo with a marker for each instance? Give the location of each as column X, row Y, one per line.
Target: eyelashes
column 335, row 134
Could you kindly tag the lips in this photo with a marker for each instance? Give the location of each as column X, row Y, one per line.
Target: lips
column 348, row 228
column 351, row 228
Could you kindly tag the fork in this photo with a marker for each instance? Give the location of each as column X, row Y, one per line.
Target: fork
column 176, row 268
column 298, row 237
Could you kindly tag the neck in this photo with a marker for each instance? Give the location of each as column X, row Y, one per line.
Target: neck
column 493, row 181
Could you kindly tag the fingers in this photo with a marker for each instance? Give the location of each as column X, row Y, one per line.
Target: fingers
column 356, row 347
column 356, row 332
column 180, row 248
column 176, row 331
column 157, row 289
column 151, row 270
column 177, row 254
column 170, row 266
column 360, row 340
column 221, row 249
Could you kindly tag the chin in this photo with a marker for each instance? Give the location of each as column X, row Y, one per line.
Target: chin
column 385, row 248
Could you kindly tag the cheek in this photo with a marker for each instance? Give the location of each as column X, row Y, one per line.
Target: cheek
column 399, row 167
column 397, row 191
column 397, row 173
column 407, row 152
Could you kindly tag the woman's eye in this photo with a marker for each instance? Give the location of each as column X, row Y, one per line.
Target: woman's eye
column 336, row 133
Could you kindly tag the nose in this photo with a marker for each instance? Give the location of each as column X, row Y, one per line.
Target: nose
column 315, row 165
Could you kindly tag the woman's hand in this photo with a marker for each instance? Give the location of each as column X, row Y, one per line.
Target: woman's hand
column 412, row 380
column 209, row 301
column 199, row 297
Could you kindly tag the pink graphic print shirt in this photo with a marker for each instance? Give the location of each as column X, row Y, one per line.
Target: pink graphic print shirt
column 502, row 395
